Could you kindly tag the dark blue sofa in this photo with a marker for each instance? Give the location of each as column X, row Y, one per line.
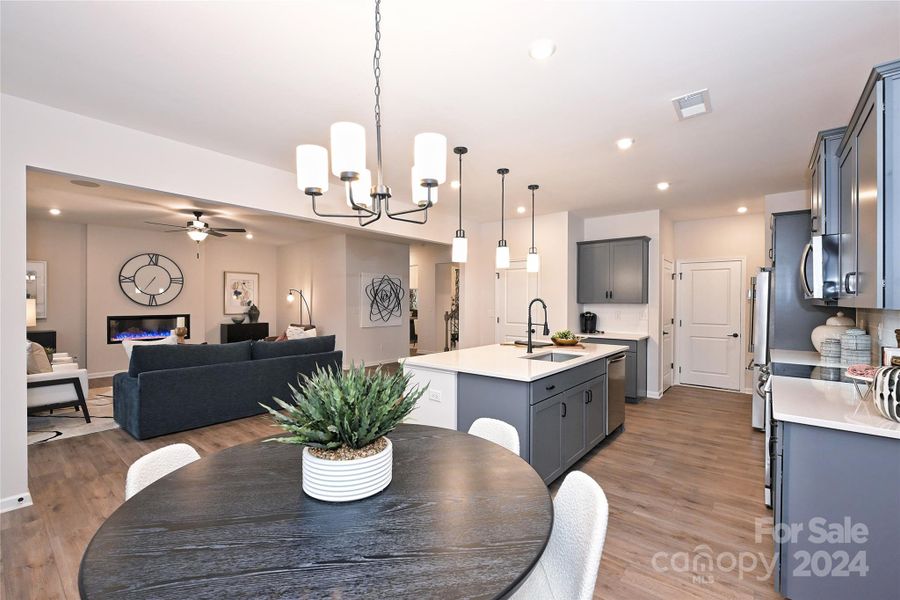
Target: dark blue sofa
column 175, row 388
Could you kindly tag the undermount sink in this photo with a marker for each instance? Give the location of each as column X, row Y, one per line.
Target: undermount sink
column 552, row 357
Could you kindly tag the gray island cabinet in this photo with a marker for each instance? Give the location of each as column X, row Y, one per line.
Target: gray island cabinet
column 560, row 408
column 559, row 418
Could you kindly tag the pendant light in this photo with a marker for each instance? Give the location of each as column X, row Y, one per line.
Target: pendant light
column 460, row 250
column 366, row 192
column 533, row 262
column 502, row 258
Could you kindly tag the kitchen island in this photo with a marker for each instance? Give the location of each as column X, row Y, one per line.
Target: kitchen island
column 562, row 401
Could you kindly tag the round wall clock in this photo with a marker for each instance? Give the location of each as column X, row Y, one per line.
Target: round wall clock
column 151, row 279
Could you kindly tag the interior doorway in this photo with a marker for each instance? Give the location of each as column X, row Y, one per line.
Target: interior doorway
column 668, row 324
column 514, row 288
column 709, row 318
column 446, row 297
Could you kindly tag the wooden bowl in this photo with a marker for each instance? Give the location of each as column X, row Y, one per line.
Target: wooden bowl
column 559, row 342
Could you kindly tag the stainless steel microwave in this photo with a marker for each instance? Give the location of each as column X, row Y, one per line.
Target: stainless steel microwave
column 820, row 268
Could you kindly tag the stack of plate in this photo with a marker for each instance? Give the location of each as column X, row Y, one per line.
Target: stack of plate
column 856, row 347
column 831, row 349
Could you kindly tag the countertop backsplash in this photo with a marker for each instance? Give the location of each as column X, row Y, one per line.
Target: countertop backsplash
column 880, row 324
column 623, row 318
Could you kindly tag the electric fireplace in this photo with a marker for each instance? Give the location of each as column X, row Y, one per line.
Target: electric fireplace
column 138, row 327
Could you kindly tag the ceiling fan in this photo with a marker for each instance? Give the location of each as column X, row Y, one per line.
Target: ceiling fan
column 197, row 229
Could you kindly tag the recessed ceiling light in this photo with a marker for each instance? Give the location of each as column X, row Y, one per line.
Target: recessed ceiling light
column 249, row 236
column 521, row 210
column 541, row 49
column 625, row 143
column 455, row 184
column 742, row 209
column 85, row 183
column 662, row 186
column 55, row 211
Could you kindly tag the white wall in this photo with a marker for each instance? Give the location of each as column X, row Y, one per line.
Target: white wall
column 633, row 318
column 36, row 135
column 62, row 245
column 740, row 236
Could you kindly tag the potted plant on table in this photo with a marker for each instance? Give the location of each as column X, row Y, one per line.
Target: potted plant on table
column 341, row 419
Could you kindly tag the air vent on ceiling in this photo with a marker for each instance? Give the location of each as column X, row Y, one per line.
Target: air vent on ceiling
column 693, row 104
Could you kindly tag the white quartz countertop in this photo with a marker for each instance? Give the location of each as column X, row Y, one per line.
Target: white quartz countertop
column 830, row 404
column 618, row 335
column 801, row 357
column 509, row 362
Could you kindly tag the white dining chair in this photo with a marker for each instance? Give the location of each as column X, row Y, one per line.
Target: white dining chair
column 568, row 567
column 499, row 432
column 157, row 464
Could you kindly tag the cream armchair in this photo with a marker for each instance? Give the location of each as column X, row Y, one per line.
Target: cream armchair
column 64, row 387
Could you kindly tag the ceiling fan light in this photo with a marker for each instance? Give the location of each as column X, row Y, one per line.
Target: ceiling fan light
column 501, row 260
column 348, row 148
column 312, row 167
column 430, row 156
column 197, row 236
column 361, row 188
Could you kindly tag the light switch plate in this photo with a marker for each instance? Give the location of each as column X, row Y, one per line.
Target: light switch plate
column 434, row 395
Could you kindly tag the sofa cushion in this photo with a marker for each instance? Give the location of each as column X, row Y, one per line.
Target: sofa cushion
column 159, row 358
column 315, row 345
column 37, row 359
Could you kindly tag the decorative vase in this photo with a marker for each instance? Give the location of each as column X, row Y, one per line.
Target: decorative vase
column 239, row 319
column 346, row 480
column 886, row 395
column 253, row 313
column 833, row 328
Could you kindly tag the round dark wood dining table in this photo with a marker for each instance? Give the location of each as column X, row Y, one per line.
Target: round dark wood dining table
column 462, row 518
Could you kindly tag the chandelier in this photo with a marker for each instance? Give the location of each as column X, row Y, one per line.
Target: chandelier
column 370, row 201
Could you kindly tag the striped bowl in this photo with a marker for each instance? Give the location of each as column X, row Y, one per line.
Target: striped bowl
column 347, row 480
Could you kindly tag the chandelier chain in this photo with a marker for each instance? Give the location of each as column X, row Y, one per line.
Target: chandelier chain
column 376, row 68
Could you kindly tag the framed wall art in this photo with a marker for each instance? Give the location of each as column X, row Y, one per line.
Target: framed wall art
column 241, row 291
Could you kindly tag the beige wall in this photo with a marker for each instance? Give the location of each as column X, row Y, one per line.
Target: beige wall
column 741, row 236
column 62, row 245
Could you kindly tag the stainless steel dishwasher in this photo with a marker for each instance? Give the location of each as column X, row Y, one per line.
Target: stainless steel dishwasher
column 615, row 392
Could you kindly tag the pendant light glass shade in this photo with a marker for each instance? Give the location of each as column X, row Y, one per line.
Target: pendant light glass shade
column 430, row 156
column 501, row 261
column 533, row 262
column 312, row 167
column 348, row 148
column 460, row 252
column 197, row 236
column 361, row 189
column 420, row 193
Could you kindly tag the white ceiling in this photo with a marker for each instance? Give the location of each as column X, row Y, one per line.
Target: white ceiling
column 253, row 79
column 115, row 205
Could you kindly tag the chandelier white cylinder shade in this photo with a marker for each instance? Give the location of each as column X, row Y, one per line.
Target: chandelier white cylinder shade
column 312, row 167
column 430, row 156
column 501, row 260
column 360, row 189
column 460, row 250
column 348, row 148
column 533, row 262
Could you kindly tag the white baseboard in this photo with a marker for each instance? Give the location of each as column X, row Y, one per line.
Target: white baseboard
column 99, row 374
column 655, row 395
column 14, row 502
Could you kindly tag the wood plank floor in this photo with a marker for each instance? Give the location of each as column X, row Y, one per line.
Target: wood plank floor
column 684, row 477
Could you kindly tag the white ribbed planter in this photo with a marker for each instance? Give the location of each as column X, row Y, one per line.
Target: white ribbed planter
column 346, row 480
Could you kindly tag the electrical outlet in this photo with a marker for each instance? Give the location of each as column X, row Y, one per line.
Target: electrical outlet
column 434, row 395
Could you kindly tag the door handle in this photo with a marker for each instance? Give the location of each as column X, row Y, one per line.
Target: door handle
column 804, row 280
column 734, row 335
column 589, row 396
column 564, row 409
column 847, row 282
column 550, row 387
column 665, row 333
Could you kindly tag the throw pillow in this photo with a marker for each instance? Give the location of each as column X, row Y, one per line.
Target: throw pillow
column 37, row 360
column 296, row 332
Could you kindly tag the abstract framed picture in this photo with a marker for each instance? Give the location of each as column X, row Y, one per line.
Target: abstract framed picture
column 241, row 290
column 36, row 285
column 381, row 300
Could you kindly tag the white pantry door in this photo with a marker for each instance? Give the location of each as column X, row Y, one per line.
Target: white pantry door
column 709, row 323
column 515, row 288
column 668, row 324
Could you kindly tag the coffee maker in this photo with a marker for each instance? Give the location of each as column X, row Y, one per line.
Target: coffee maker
column 588, row 322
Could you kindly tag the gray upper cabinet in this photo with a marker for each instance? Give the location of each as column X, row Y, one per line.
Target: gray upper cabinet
column 613, row 271
column 870, row 195
column 824, row 195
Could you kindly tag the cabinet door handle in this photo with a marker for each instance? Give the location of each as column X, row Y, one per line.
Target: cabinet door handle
column 589, row 396
column 550, row 387
column 564, row 409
